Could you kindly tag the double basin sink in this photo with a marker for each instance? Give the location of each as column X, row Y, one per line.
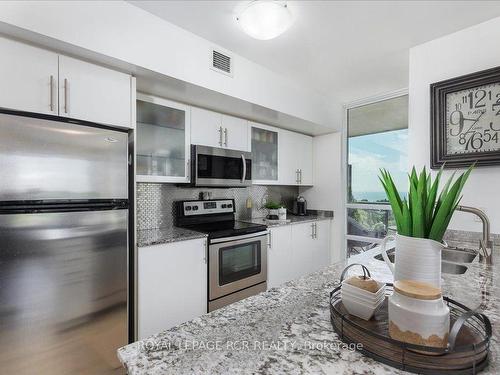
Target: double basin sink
column 452, row 259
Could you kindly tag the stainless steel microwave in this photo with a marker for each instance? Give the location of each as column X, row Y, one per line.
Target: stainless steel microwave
column 219, row 167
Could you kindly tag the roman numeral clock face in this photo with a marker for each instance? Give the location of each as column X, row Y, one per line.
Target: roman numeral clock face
column 473, row 120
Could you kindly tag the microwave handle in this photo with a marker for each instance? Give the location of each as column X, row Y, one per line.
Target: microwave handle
column 243, row 178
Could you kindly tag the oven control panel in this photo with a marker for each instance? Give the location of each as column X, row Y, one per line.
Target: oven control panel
column 191, row 208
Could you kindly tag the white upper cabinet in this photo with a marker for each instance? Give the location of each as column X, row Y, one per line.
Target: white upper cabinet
column 93, row 93
column 265, row 154
column 40, row 81
column 28, row 77
column 163, row 140
column 236, row 133
column 295, row 158
column 213, row 129
column 305, row 161
column 206, row 128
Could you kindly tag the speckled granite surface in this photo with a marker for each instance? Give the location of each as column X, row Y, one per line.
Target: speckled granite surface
column 287, row 330
column 293, row 220
column 148, row 237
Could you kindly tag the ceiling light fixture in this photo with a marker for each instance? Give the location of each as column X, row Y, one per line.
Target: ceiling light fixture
column 265, row 20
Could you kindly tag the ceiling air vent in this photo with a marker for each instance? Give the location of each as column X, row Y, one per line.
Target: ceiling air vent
column 222, row 63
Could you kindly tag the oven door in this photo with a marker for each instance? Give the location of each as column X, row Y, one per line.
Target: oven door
column 237, row 263
column 221, row 167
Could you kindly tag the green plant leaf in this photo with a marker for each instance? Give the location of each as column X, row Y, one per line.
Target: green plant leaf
column 417, row 195
column 448, row 205
column 423, row 213
column 431, row 201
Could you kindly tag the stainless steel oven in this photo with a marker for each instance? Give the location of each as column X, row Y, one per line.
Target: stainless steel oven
column 237, row 268
column 220, row 167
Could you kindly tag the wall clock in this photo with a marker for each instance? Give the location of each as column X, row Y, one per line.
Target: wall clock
column 465, row 120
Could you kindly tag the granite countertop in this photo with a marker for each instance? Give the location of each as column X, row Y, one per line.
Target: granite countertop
column 288, row 330
column 293, row 220
column 148, row 237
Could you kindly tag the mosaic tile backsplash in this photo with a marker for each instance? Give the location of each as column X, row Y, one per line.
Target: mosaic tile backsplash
column 155, row 201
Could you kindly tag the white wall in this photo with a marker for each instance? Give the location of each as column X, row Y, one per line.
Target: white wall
column 467, row 51
column 122, row 31
column 327, row 191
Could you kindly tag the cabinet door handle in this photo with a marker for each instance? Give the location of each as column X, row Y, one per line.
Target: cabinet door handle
column 205, row 259
column 244, row 167
column 297, row 176
column 225, row 137
column 270, row 243
column 312, row 230
column 188, row 165
column 220, row 136
column 315, row 230
column 300, row 176
column 51, row 93
column 65, row 95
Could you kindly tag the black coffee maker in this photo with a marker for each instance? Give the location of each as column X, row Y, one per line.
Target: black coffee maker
column 300, row 206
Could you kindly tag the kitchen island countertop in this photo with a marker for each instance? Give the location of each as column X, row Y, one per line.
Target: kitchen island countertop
column 288, row 330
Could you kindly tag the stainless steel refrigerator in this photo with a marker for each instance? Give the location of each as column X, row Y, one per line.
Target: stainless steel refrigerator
column 63, row 246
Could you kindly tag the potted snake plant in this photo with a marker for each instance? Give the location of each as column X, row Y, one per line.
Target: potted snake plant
column 421, row 221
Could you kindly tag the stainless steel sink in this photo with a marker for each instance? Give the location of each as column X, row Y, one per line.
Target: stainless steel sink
column 453, row 268
column 458, row 255
column 449, row 260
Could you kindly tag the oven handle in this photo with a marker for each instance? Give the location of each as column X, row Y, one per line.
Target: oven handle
column 243, row 178
column 242, row 237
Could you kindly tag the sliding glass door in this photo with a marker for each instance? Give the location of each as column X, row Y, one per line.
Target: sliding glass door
column 377, row 137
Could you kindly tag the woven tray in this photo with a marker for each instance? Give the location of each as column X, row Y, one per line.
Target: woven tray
column 467, row 351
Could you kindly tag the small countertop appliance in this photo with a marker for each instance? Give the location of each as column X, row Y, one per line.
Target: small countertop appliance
column 300, row 206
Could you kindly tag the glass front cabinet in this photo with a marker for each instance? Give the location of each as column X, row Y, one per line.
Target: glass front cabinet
column 265, row 154
column 163, row 140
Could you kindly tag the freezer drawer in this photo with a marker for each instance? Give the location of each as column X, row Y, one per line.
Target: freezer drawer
column 43, row 159
column 63, row 291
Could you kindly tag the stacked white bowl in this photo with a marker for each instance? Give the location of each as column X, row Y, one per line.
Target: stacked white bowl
column 360, row 302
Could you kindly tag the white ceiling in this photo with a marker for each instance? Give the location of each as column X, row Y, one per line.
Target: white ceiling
column 347, row 50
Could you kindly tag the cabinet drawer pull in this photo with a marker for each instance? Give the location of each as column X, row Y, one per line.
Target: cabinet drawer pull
column 220, row 136
column 66, row 95
column 270, row 243
column 51, row 93
column 225, row 137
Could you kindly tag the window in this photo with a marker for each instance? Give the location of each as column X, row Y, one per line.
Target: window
column 377, row 138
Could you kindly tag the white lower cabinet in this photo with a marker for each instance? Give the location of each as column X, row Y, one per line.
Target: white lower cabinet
column 279, row 259
column 297, row 250
column 172, row 285
column 321, row 245
column 302, row 249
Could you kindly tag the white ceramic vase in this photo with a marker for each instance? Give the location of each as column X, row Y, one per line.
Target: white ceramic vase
column 415, row 259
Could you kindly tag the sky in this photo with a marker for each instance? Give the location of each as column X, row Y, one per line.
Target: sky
column 369, row 153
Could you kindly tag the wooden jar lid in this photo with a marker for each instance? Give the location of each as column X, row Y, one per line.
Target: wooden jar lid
column 417, row 289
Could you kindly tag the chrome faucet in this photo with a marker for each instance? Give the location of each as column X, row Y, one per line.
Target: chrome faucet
column 485, row 244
